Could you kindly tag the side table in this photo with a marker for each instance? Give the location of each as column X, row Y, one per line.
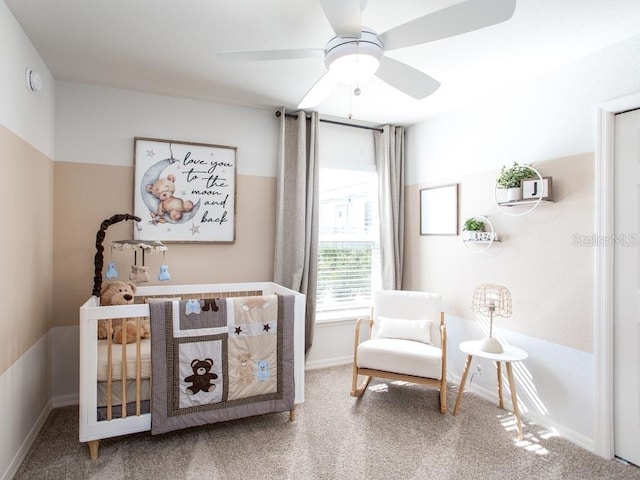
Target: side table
column 510, row 354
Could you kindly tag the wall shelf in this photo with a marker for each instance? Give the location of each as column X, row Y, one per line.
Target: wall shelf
column 480, row 241
column 522, row 203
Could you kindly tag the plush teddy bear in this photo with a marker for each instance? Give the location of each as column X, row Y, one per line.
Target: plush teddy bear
column 163, row 189
column 139, row 274
column 121, row 293
column 202, row 377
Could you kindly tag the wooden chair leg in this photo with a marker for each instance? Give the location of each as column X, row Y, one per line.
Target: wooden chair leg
column 93, row 448
column 292, row 415
column 357, row 391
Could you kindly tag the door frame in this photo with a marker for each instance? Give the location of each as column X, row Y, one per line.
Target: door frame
column 603, row 273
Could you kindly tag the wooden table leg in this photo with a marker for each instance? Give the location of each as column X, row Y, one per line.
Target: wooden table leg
column 514, row 400
column 463, row 381
column 499, row 370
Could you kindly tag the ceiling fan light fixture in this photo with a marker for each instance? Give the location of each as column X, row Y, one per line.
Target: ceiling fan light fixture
column 356, row 67
column 353, row 60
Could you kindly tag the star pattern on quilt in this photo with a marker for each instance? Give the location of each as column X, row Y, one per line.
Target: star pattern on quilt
column 266, row 327
column 238, row 330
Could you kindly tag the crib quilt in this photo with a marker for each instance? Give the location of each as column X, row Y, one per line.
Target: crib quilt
column 220, row 359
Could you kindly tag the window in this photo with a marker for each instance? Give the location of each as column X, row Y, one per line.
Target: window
column 348, row 242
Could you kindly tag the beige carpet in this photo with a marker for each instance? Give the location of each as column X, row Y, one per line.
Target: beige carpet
column 393, row 432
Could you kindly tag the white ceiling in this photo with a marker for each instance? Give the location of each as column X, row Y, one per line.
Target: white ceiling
column 170, row 47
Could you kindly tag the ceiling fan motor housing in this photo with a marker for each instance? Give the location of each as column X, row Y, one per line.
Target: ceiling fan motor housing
column 354, row 59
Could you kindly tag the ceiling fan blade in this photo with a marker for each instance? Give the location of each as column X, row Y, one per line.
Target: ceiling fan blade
column 448, row 22
column 406, row 79
column 320, row 90
column 273, row 54
column 344, row 16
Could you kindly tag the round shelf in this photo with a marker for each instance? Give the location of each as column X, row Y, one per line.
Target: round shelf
column 508, row 207
column 485, row 239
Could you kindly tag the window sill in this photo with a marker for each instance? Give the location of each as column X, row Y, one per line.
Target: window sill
column 342, row 316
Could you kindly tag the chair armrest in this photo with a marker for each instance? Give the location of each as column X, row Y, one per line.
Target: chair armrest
column 356, row 341
column 359, row 322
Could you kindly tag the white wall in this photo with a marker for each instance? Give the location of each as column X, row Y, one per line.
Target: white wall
column 549, row 117
column 552, row 117
column 25, row 385
column 29, row 115
column 96, row 125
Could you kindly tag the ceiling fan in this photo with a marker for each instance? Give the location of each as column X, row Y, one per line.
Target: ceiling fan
column 357, row 52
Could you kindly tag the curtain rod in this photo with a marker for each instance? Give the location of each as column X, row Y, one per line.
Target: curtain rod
column 334, row 122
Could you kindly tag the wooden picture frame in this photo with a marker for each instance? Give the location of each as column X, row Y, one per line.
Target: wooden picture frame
column 439, row 210
column 184, row 191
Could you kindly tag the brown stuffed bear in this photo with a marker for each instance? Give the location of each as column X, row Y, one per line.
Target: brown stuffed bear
column 121, row 293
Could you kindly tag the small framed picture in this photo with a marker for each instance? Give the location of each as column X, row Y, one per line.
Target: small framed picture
column 439, row 210
column 536, row 188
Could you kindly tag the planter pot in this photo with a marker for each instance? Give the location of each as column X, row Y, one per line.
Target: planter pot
column 513, row 194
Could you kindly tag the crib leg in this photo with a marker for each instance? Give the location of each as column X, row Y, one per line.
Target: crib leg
column 292, row 415
column 93, row 448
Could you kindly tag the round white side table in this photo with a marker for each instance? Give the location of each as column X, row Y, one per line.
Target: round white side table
column 510, row 354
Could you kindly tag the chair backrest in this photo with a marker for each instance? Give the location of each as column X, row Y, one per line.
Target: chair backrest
column 408, row 305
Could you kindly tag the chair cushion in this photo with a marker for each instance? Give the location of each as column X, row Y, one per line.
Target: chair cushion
column 401, row 356
column 416, row 330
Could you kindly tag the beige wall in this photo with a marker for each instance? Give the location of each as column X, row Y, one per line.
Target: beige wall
column 549, row 275
column 86, row 194
column 25, row 281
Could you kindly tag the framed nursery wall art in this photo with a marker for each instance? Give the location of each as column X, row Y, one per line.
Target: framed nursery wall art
column 184, row 192
column 439, row 210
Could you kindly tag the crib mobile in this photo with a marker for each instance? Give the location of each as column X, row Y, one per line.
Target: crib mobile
column 139, row 272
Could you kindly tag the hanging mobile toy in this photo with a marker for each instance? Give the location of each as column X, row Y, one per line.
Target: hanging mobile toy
column 164, row 274
column 111, row 268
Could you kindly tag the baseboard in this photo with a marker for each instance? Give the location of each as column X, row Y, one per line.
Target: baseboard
column 65, row 400
column 26, row 445
column 491, row 396
column 329, row 362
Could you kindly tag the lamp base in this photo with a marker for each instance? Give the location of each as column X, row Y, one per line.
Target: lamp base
column 491, row 345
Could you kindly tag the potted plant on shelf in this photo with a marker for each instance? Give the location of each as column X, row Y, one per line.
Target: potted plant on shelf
column 472, row 229
column 510, row 179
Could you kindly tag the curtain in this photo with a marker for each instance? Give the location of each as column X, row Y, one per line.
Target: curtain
column 296, row 243
column 389, row 150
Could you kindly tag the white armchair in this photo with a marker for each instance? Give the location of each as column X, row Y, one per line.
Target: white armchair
column 406, row 341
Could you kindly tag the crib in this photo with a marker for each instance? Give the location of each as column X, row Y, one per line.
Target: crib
column 116, row 379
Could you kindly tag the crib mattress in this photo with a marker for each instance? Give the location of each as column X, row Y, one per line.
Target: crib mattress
column 116, row 360
column 116, row 392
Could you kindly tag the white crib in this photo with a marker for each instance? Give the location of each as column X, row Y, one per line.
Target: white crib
column 104, row 364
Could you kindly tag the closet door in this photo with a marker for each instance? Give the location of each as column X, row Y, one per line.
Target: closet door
column 626, row 287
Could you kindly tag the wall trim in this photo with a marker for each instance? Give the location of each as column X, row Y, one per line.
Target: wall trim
column 20, row 455
column 329, row 362
column 65, row 400
column 603, row 274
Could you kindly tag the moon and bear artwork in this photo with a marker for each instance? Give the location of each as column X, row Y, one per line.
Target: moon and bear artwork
column 184, row 191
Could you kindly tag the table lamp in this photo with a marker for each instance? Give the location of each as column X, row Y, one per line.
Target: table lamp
column 496, row 301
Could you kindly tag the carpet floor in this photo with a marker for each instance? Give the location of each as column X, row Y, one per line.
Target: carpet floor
column 395, row 431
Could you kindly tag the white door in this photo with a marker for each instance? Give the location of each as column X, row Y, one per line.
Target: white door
column 626, row 287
